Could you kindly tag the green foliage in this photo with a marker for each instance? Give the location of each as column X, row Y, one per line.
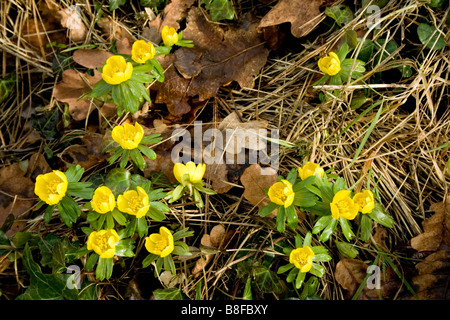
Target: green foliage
column 342, row 14
column 219, row 9
column 430, row 37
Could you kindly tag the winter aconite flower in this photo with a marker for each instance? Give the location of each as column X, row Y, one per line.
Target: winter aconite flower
column 103, row 242
column 128, row 136
column 142, row 51
column 169, row 36
column 365, row 201
column 302, row 258
column 343, row 206
column 310, row 169
column 282, row 193
column 330, row 64
column 194, row 172
column 161, row 243
column 103, row 200
column 117, row 70
column 51, row 187
column 134, row 202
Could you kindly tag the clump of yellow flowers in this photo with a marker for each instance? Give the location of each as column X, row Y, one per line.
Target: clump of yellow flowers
column 309, row 189
column 124, row 77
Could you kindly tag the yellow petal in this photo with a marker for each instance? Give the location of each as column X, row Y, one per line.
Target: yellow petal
column 179, row 170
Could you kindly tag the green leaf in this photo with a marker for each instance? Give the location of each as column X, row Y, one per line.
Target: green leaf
column 156, row 214
column 48, row 213
column 149, row 153
column 342, row 14
column 321, row 223
column 248, row 290
column 91, row 261
column 299, row 279
column 219, row 9
column 430, row 37
column 281, row 219
column 183, row 233
column 339, row 185
column 151, row 139
column 149, row 259
column 381, row 217
column 285, row 268
column 44, row 286
column 142, row 226
column 124, row 159
column 74, row 173
column 292, row 274
column 346, row 229
column 104, row 268
column 100, row 88
column 267, row 280
column 46, row 123
column 137, row 158
column 81, row 190
column 118, row 180
column 268, row 209
column 119, row 217
column 168, row 294
column 329, row 229
column 292, row 217
column 317, row 270
column 307, row 241
column 346, row 249
column 69, row 210
column 366, row 50
column 114, row 4
column 366, row 227
column 124, row 248
column 304, row 198
column 162, row 50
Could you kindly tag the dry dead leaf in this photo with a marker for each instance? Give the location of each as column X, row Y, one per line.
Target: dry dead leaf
column 350, row 273
column 174, row 12
column 91, row 59
column 16, row 196
column 303, row 15
column 436, row 229
column 217, row 238
column 433, row 277
column 87, row 155
column 71, row 19
column 219, row 56
column 114, row 31
column 255, row 183
column 73, row 85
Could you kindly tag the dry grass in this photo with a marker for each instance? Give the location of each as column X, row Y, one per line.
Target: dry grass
column 397, row 158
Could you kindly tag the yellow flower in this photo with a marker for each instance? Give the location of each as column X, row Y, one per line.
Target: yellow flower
column 51, row 187
column 343, row 206
column 103, row 242
column 117, row 70
column 103, row 200
column 195, row 172
column 128, row 136
column 365, row 201
column 281, row 193
column 142, row 51
column 160, row 243
column 330, row 64
column 310, row 169
column 169, row 36
column 134, row 202
column 302, row 258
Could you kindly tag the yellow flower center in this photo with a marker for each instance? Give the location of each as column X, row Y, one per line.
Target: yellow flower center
column 161, row 244
column 52, row 186
column 343, row 205
column 102, row 243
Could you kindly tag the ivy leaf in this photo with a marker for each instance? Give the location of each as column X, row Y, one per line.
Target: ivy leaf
column 342, row 14
column 430, row 37
column 168, row 294
column 114, row 4
column 219, row 9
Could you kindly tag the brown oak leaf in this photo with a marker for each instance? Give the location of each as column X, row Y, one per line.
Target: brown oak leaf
column 219, row 56
column 255, row 180
column 303, row 15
